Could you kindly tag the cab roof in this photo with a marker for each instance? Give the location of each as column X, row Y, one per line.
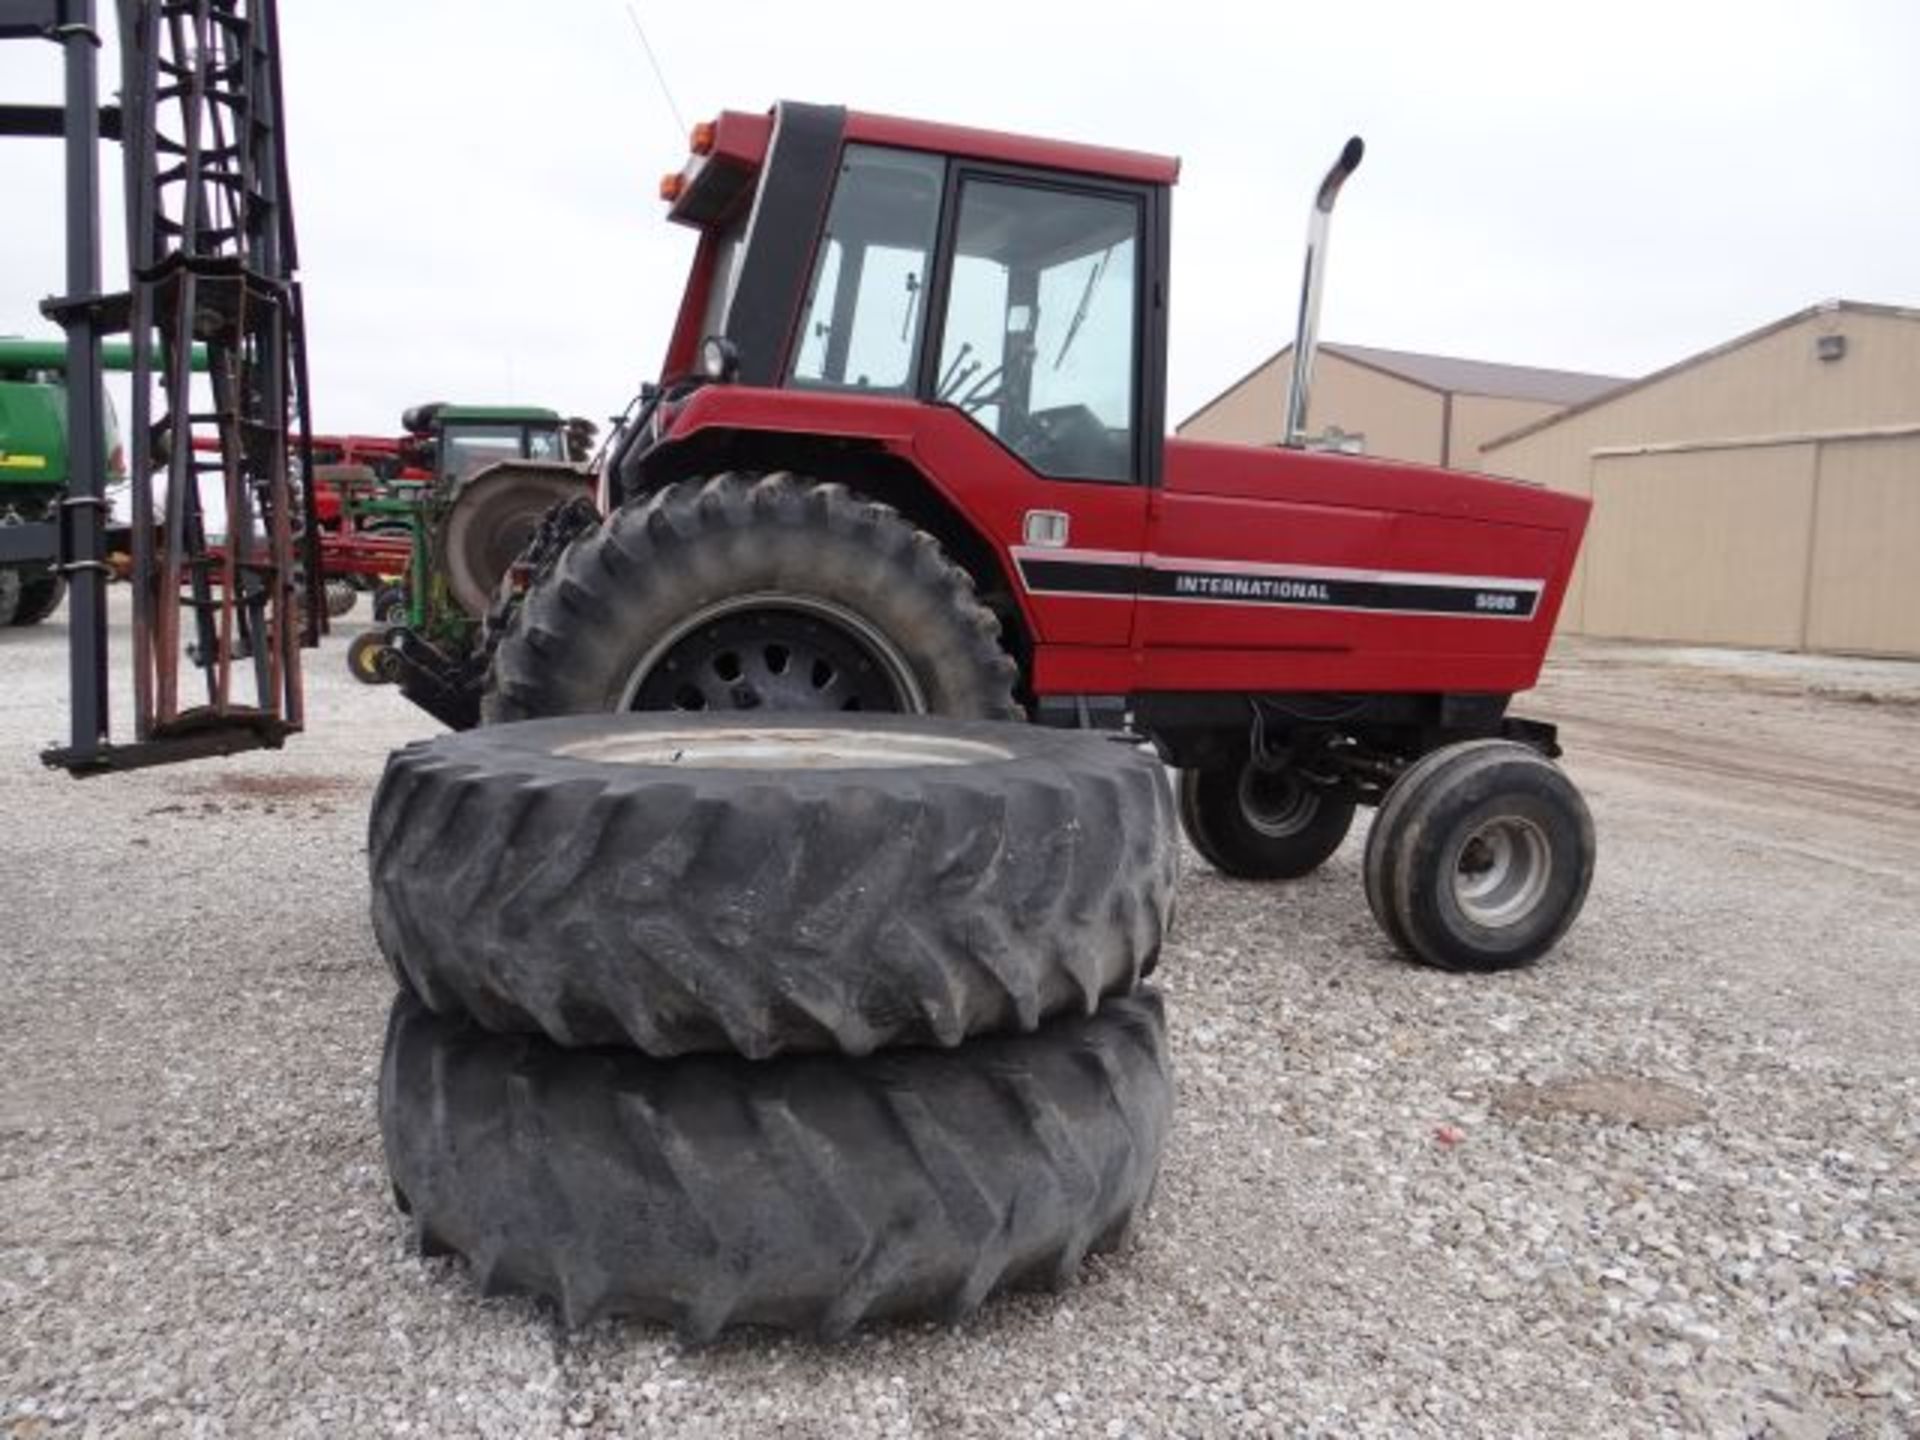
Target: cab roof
column 737, row 141
column 496, row 414
column 997, row 145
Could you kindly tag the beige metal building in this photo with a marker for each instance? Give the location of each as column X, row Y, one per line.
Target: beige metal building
column 1763, row 493
column 1393, row 403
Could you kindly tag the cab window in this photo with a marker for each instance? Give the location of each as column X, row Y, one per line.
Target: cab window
column 867, row 303
column 1040, row 335
column 470, row 448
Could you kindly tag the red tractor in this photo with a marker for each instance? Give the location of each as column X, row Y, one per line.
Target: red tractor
column 908, row 452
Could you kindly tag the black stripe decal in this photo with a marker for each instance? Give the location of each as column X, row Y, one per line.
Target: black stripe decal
column 1097, row 577
column 1080, row 577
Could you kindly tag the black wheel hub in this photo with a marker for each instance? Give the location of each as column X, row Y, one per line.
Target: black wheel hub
column 772, row 659
column 1275, row 802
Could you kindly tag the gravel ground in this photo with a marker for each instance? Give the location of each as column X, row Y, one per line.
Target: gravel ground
column 1666, row 1182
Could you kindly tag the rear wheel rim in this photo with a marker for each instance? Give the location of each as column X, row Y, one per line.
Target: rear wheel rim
column 811, row 745
column 780, row 653
column 1275, row 802
column 1501, row 872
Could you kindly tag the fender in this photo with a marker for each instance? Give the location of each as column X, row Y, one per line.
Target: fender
column 994, row 494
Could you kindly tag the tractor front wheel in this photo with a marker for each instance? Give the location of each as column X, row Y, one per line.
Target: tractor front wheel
column 753, row 593
column 1481, row 857
column 1256, row 823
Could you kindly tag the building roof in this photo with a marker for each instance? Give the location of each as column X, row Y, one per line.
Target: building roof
column 1448, row 374
column 1482, row 377
column 1825, row 307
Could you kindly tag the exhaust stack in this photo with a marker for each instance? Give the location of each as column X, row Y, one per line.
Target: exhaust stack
column 1306, row 332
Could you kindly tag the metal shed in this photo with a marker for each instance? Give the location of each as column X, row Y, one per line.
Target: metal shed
column 1764, row 493
column 1397, row 404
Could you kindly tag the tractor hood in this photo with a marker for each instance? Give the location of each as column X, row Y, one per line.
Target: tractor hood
column 1288, row 476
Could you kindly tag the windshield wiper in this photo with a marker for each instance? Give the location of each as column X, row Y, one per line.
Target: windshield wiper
column 1080, row 310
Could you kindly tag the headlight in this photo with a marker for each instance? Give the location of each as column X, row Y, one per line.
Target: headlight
column 718, row 358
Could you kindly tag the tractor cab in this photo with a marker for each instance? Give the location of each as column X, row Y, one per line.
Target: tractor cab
column 1038, row 308
column 1018, row 281
column 455, row 442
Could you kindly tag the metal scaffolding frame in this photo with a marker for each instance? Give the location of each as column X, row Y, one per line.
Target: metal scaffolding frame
column 212, row 259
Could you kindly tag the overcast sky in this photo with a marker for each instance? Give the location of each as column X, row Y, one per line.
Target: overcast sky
column 1606, row 187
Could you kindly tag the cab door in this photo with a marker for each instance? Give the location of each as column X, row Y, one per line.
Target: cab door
column 1025, row 307
column 1048, row 310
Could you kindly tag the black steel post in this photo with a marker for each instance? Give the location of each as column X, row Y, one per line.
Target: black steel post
column 84, row 511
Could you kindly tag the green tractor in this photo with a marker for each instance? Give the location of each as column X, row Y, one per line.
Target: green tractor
column 33, row 462
column 472, row 486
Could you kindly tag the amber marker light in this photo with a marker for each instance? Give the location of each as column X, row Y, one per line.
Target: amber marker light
column 671, row 186
column 701, row 140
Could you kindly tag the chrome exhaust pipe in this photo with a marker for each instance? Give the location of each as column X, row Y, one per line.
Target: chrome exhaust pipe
column 1306, row 333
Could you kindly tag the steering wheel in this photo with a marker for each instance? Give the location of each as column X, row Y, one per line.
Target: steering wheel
column 1070, row 439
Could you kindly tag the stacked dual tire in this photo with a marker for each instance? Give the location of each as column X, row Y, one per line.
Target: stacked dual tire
column 797, row 1024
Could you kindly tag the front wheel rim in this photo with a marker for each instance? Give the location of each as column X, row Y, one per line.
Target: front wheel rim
column 1502, row 871
column 774, row 652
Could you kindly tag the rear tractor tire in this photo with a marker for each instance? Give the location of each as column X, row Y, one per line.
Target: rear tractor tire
column 1481, row 857
column 808, row 1193
column 845, row 883
column 495, row 514
column 753, row 592
column 1259, row 824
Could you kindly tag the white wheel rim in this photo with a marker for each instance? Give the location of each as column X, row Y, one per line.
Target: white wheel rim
column 1501, row 871
column 776, row 747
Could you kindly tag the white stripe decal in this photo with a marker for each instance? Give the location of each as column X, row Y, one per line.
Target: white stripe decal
column 1173, row 563
column 1085, row 557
